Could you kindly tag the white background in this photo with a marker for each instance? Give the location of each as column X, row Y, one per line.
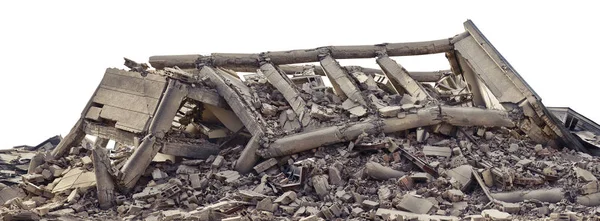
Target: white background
column 53, row 53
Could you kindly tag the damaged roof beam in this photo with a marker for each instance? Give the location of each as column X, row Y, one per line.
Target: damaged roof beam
column 251, row 61
column 400, row 78
column 285, row 86
column 340, row 79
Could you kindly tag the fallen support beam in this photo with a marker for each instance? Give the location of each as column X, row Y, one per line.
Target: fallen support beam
column 421, row 76
column 341, row 80
column 251, row 61
column 104, row 183
column 161, row 123
column 400, row 78
column 74, row 138
column 545, row 195
column 248, row 157
column 286, row 87
column 253, row 122
column 197, row 150
column 457, row 116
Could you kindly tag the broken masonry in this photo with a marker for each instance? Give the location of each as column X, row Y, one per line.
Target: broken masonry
column 197, row 139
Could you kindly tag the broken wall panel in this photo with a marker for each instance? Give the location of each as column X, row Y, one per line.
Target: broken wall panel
column 160, row 125
column 509, row 87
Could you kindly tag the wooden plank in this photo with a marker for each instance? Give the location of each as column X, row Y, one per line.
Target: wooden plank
column 126, row 120
column 125, row 101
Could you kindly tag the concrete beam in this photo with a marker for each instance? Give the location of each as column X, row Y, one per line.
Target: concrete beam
column 251, row 61
column 400, row 78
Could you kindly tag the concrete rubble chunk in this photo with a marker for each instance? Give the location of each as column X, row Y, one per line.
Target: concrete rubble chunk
column 437, row 151
column 217, row 162
column 415, row 204
column 261, row 136
column 494, row 214
column 462, row 174
column 286, row 198
column 369, row 205
column 380, row 172
column 266, row 205
column 261, row 167
column 584, row 175
column 228, row 176
column 321, row 185
column 335, row 177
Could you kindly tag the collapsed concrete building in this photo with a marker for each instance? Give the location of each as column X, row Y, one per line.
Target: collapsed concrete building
column 195, row 141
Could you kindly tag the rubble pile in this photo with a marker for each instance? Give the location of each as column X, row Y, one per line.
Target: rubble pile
column 195, row 141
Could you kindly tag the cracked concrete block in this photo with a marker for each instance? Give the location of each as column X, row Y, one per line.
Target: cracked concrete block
column 496, row 215
column 512, row 208
column 415, row 204
column 286, row 198
column 356, row 211
column 584, row 175
column 589, row 188
column 384, row 193
column 437, row 151
column 266, row 205
column 195, row 181
column 488, row 177
column 513, row 148
column 217, row 162
column 158, row 174
column 369, row 205
column 228, row 176
column 335, row 177
column 261, row 167
column 454, row 195
column 321, row 185
column 421, row 177
column 462, row 174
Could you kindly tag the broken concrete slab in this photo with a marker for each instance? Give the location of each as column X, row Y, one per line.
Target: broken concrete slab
column 75, row 178
column 437, row 151
column 415, row 204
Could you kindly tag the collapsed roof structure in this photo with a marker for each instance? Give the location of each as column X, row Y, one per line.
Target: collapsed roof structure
column 195, row 110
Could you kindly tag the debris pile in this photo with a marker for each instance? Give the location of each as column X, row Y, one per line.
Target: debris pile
column 195, row 141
